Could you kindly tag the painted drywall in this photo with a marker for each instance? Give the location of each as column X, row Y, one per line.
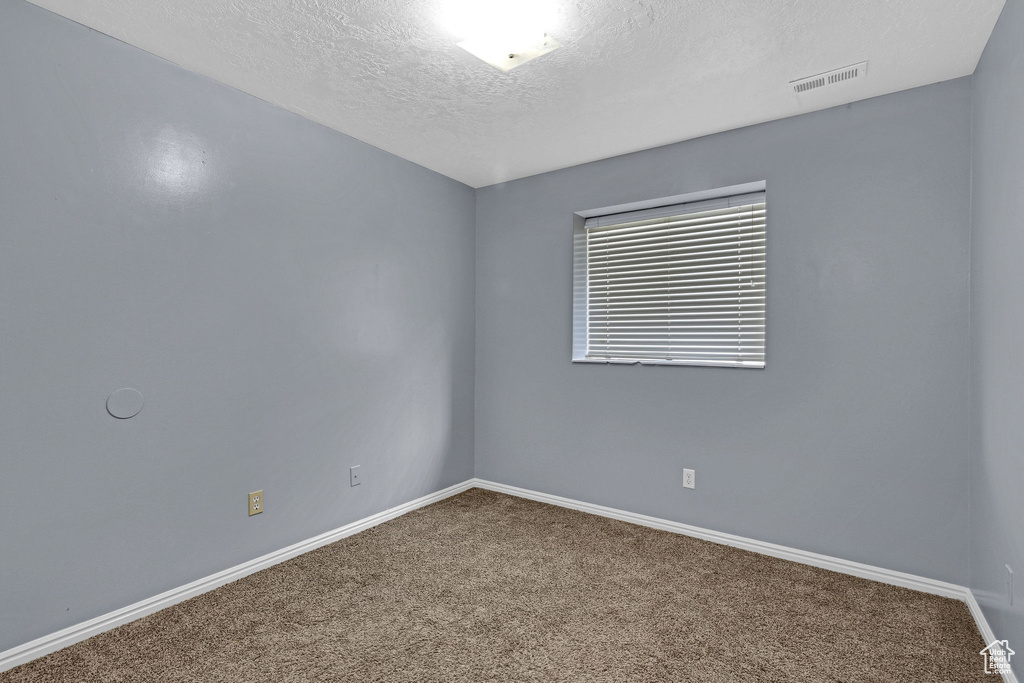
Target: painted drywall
column 852, row 441
column 997, row 326
column 288, row 301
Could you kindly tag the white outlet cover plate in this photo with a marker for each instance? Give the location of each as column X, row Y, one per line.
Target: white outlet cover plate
column 689, row 479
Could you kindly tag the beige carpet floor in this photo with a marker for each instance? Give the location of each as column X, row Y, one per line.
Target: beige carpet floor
column 487, row 587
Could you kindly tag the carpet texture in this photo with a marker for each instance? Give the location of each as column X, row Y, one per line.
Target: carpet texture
column 488, row 587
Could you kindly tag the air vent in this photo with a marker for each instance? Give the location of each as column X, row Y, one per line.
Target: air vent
column 830, row 78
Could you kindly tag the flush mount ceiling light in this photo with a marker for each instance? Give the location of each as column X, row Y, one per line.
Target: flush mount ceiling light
column 505, row 54
column 503, row 34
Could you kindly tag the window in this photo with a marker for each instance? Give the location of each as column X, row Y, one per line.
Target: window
column 679, row 284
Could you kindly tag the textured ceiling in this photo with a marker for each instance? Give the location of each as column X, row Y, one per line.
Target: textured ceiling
column 631, row 74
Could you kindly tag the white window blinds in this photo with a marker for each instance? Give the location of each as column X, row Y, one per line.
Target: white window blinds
column 682, row 284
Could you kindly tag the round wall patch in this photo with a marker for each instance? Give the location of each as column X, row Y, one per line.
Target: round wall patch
column 124, row 403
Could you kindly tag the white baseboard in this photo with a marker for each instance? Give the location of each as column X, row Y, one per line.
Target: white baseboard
column 918, row 583
column 895, row 578
column 73, row 634
column 986, row 631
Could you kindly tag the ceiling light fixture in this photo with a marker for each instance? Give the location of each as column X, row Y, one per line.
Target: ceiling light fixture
column 503, row 34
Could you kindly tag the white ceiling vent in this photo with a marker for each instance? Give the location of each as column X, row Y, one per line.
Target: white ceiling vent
column 830, row 78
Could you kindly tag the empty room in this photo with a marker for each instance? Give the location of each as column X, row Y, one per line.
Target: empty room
column 555, row 340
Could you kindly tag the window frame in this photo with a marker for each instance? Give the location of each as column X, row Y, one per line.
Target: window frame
column 580, row 273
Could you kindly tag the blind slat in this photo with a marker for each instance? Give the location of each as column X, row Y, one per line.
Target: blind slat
column 679, row 272
column 711, row 237
column 683, row 231
column 672, row 256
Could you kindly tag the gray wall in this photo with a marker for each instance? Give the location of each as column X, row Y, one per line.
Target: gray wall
column 852, row 441
column 289, row 301
column 997, row 328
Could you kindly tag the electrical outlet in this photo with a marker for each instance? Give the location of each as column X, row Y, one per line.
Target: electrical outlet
column 255, row 503
column 354, row 476
column 1009, row 584
column 689, row 479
